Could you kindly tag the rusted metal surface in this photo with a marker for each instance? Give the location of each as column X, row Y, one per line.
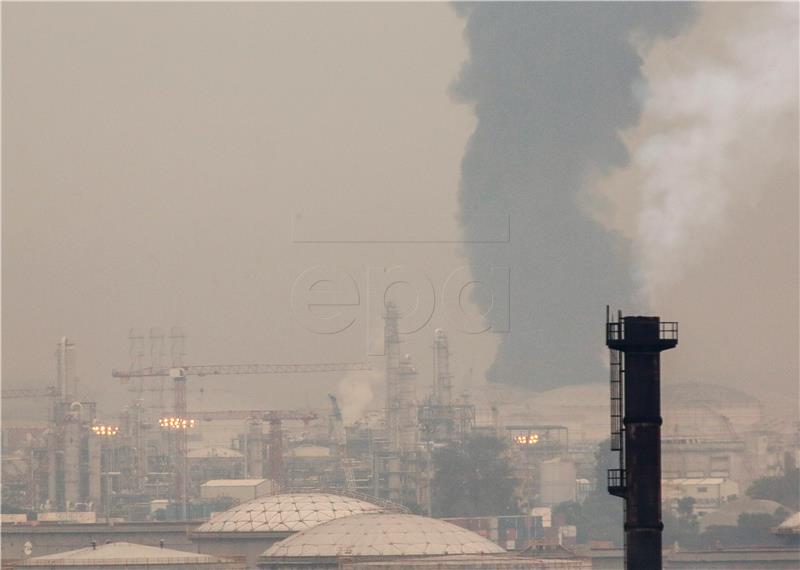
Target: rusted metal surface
column 639, row 341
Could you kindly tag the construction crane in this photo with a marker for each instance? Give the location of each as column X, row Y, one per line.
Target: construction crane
column 11, row 393
column 236, row 369
column 179, row 375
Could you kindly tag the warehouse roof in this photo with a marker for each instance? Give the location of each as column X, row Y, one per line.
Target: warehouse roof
column 120, row 554
column 382, row 534
column 287, row 512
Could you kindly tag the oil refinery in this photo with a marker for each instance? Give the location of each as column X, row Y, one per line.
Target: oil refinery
column 329, row 285
column 147, row 476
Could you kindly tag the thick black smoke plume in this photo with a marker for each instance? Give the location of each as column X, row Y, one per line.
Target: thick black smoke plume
column 553, row 84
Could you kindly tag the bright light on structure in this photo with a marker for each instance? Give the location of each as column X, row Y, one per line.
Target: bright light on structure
column 530, row 439
column 105, row 430
column 176, row 423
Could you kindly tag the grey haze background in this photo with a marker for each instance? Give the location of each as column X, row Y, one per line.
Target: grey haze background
column 155, row 154
column 154, row 158
column 553, row 85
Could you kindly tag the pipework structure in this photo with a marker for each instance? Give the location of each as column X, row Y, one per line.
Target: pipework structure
column 636, row 344
column 441, row 420
column 443, row 380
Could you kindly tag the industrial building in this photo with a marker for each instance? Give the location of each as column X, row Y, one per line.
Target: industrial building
column 26, row 540
column 728, row 514
column 238, row 489
column 707, row 493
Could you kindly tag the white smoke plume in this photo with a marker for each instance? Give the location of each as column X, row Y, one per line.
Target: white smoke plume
column 719, row 120
column 355, row 394
column 709, row 199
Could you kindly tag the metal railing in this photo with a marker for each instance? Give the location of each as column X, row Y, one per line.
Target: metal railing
column 616, row 480
column 667, row 330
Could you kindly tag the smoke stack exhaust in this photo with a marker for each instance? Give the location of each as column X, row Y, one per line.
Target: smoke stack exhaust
column 636, row 344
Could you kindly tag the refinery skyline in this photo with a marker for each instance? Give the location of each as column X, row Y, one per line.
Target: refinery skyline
column 353, row 284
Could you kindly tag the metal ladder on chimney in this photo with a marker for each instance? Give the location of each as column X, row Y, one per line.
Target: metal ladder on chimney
column 616, row 477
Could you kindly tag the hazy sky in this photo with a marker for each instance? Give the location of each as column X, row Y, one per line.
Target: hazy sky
column 155, row 159
column 155, row 156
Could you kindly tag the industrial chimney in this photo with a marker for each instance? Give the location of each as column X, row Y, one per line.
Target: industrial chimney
column 636, row 344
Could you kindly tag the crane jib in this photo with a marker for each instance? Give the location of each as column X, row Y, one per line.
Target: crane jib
column 236, row 369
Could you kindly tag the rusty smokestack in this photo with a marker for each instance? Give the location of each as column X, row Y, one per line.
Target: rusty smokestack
column 636, row 344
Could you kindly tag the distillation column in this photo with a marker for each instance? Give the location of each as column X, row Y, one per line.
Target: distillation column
column 254, row 446
column 276, row 468
column 443, row 389
column 181, row 459
column 391, row 351
column 66, row 381
column 95, row 468
column 52, row 466
column 401, row 413
column 406, row 405
column 72, row 456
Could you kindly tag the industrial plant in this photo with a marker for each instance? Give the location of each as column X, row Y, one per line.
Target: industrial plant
column 271, row 498
column 398, row 285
